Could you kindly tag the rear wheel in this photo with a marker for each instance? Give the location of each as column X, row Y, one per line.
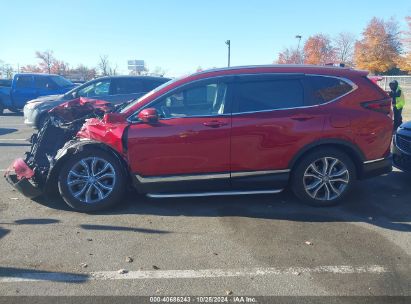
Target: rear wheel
column 91, row 180
column 324, row 177
column 1, row 108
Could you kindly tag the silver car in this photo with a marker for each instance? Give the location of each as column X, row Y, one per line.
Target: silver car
column 114, row 89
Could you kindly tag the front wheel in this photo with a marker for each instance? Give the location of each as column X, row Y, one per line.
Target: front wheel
column 91, row 180
column 324, row 177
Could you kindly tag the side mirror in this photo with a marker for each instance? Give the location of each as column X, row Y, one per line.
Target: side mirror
column 149, row 115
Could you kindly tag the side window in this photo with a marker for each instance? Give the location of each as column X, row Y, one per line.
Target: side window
column 151, row 85
column 127, row 86
column 324, row 89
column 97, row 88
column 203, row 100
column 44, row 83
column 24, row 82
column 269, row 95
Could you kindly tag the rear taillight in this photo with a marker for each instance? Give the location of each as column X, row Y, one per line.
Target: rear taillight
column 382, row 106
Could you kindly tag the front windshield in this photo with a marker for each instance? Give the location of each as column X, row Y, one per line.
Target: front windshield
column 136, row 101
column 62, row 82
column 69, row 94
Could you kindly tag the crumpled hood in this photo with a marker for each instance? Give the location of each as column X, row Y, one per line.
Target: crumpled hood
column 81, row 107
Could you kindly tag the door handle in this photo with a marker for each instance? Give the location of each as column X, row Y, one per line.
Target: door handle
column 215, row 124
column 302, row 117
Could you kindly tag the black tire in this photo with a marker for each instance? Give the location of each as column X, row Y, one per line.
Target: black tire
column 302, row 177
column 113, row 197
column 1, row 108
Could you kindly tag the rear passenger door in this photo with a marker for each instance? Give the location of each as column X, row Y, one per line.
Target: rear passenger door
column 270, row 123
column 125, row 89
column 23, row 91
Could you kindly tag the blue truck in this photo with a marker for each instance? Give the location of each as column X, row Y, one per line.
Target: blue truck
column 24, row 87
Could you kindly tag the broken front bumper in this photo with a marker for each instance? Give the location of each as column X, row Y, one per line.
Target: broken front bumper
column 18, row 175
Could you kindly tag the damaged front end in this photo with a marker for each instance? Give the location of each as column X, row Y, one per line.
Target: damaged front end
column 32, row 175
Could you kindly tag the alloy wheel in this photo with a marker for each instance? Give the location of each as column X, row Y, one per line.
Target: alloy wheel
column 326, row 179
column 91, row 180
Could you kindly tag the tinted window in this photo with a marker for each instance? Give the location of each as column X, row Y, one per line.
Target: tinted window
column 61, row 81
column 127, row 86
column 203, row 100
column 97, row 88
column 269, row 95
column 24, row 82
column 152, row 84
column 44, row 83
column 324, row 89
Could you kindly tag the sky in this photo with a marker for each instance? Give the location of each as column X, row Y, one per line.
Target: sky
column 177, row 35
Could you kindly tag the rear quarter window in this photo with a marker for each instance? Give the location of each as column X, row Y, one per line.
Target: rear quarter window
column 322, row 89
column 152, row 84
column 268, row 95
column 127, row 86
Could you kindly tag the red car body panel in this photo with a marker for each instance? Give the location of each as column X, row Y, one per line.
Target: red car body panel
column 180, row 146
column 269, row 140
column 245, row 142
column 105, row 132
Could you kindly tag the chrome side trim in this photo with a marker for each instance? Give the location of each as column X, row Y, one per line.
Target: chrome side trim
column 373, row 161
column 179, row 178
column 253, row 173
column 224, row 193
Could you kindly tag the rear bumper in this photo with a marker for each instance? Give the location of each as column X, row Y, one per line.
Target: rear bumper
column 18, row 175
column 375, row 168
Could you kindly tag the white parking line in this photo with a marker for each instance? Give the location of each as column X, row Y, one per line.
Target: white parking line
column 186, row 274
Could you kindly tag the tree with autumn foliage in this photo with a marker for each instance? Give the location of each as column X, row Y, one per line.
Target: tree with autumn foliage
column 46, row 60
column 31, row 68
column 404, row 61
column 318, row 49
column 379, row 49
column 290, row 56
column 344, row 48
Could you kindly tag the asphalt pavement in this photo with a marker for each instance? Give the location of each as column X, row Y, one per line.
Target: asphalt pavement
column 240, row 245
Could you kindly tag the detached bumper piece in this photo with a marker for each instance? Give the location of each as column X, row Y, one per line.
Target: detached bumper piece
column 18, row 175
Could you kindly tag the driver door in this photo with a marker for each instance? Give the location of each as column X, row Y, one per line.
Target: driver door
column 188, row 149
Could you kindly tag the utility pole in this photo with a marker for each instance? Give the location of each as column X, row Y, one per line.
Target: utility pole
column 298, row 47
column 228, row 42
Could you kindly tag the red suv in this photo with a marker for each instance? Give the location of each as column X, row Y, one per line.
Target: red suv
column 243, row 130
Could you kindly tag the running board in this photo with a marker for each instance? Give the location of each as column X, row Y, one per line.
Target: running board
column 223, row 193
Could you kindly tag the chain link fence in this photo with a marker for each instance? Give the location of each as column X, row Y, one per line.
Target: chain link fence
column 405, row 84
column 403, row 81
